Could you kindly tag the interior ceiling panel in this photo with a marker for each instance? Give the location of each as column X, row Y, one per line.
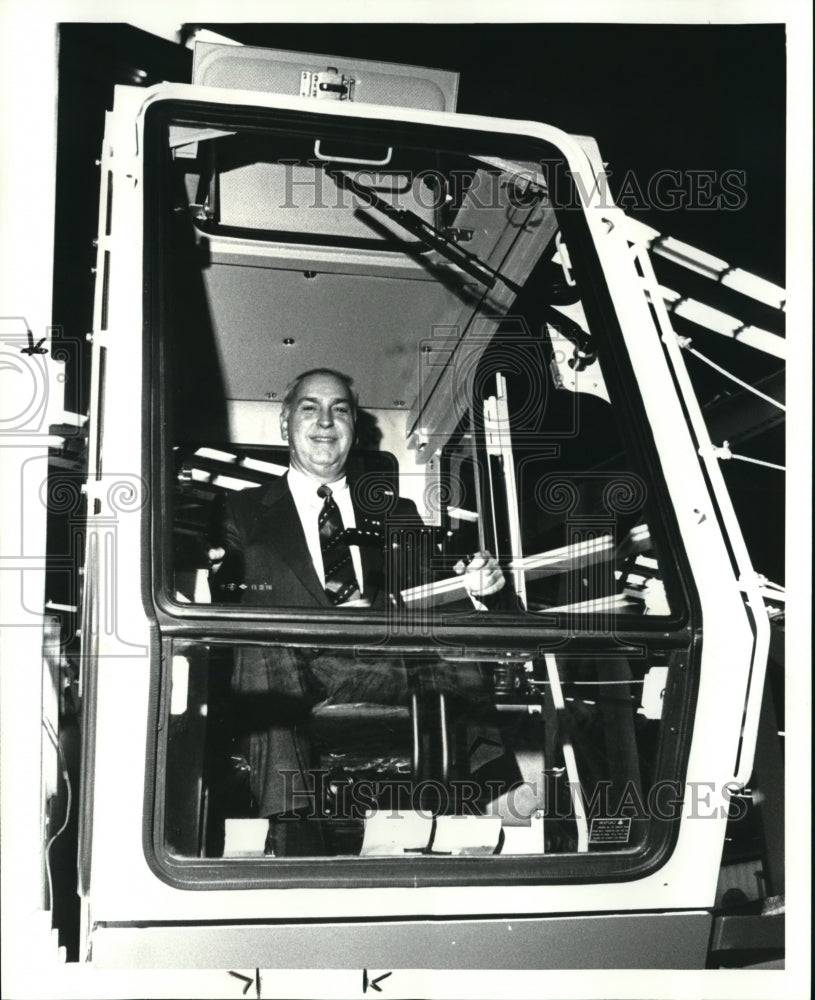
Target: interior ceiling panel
column 271, row 324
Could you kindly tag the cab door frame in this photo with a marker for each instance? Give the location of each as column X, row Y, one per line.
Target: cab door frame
column 688, row 878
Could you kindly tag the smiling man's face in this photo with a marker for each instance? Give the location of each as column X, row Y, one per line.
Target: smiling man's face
column 319, row 427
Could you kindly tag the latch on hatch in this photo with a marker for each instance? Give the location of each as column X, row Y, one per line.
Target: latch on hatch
column 327, row 85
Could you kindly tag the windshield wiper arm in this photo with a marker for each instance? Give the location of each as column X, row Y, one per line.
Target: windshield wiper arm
column 432, row 238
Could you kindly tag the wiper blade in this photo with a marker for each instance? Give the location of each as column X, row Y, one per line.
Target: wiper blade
column 432, row 238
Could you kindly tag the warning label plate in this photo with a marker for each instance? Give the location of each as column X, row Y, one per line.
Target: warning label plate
column 610, row 831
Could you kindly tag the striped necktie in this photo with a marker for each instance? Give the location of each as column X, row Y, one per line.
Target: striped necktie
column 340, row 579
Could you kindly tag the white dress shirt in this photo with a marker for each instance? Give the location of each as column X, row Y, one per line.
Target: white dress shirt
column 308, row 504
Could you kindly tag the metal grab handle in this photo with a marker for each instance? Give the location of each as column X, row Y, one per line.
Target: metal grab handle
column 416, row 755
column 351, row 159
column 445, row 745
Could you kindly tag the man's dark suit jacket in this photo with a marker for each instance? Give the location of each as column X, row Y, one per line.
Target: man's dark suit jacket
column 268, row 561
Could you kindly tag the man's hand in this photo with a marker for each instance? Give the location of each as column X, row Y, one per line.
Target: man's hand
column 215, row 556
column 482, row 574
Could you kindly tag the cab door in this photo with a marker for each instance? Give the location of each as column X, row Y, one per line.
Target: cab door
column 526, row 401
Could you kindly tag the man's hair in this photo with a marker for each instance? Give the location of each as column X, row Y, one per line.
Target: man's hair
column 292, row 388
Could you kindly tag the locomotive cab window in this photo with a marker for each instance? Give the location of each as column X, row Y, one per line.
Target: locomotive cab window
column 419, row 590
